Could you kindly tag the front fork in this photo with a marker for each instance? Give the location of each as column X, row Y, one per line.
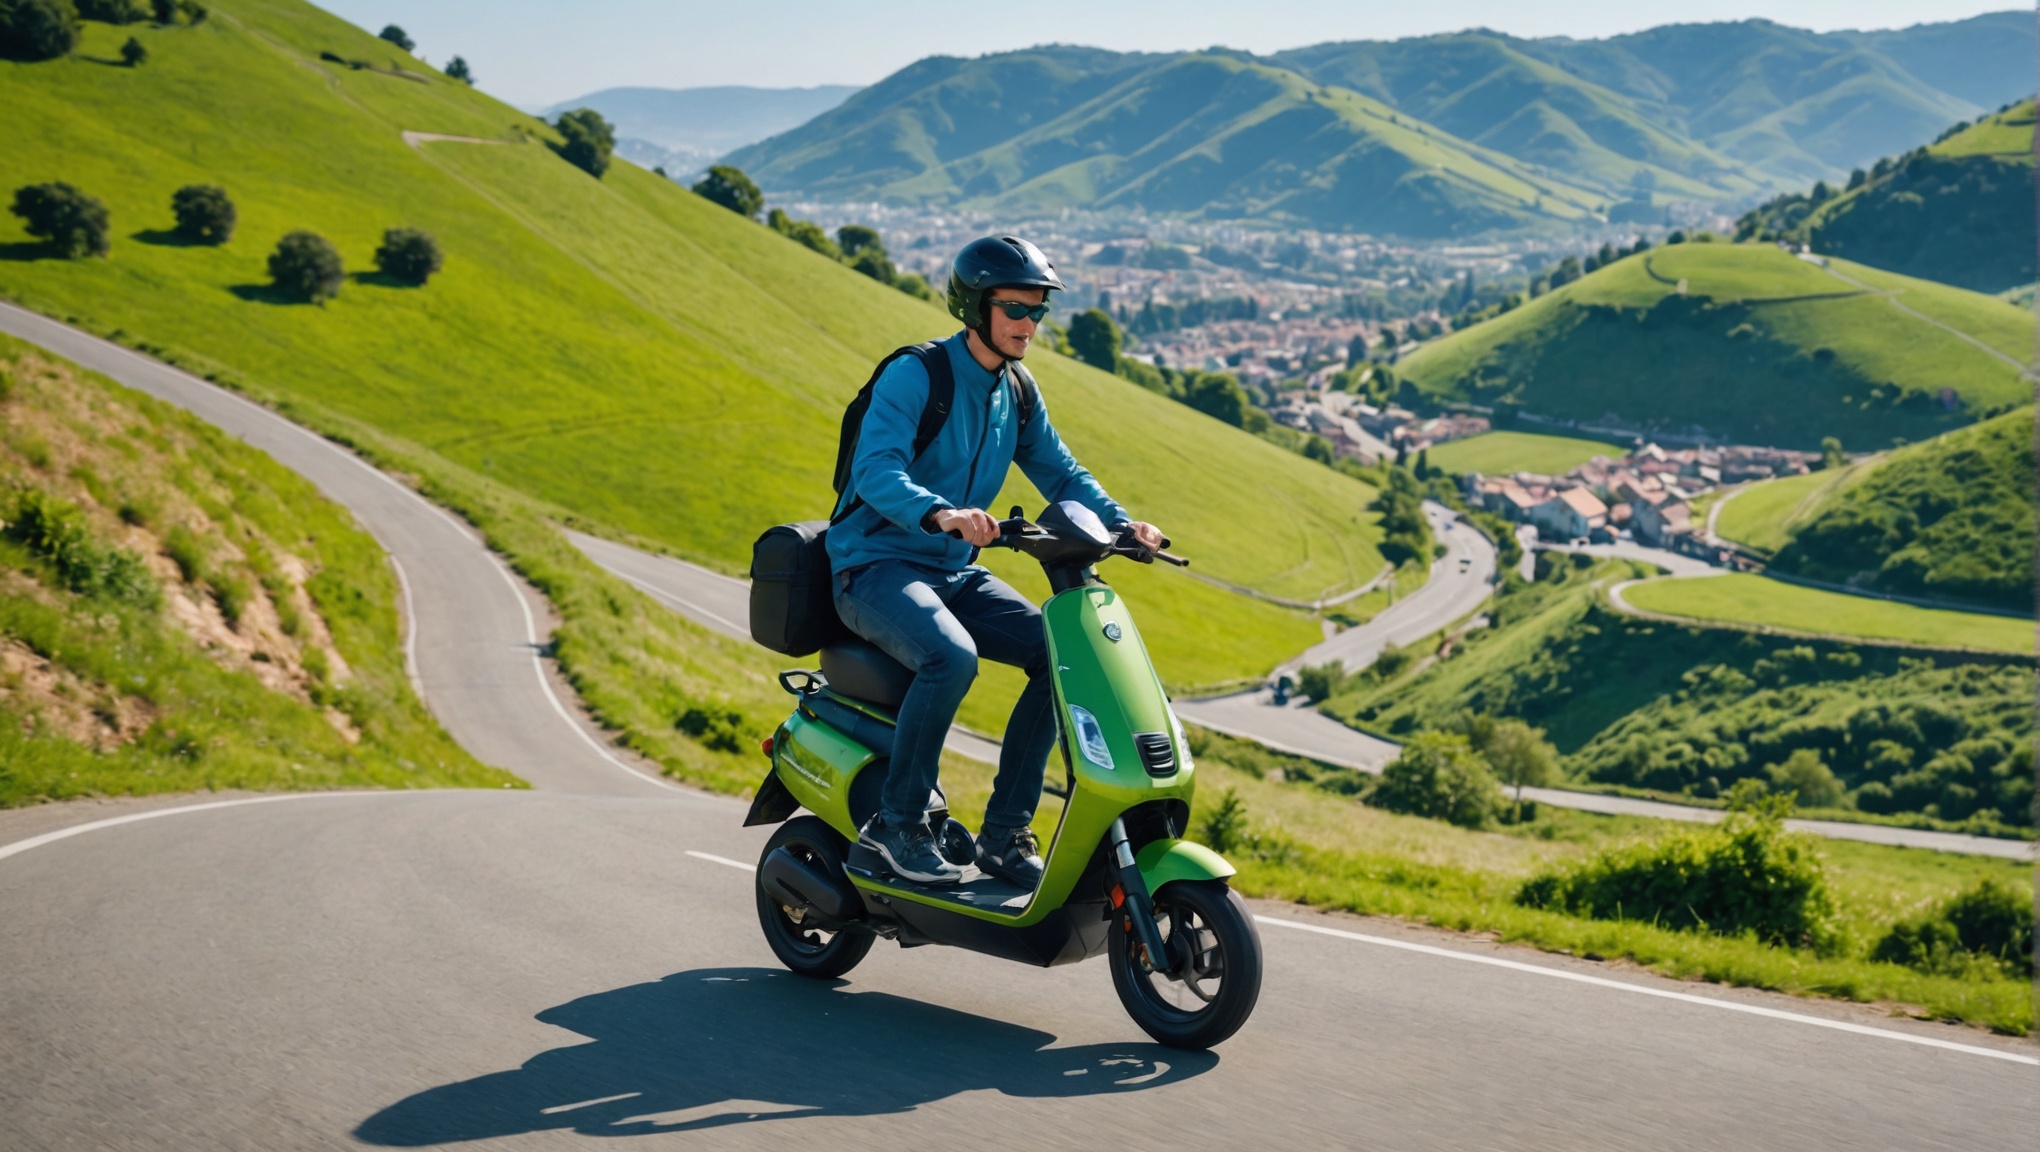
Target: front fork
column 1131, row 898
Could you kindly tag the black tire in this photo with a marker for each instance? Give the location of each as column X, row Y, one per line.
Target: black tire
column 809, row 951
column 1190, row 1013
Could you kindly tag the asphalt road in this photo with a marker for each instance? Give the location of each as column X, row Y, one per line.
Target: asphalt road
column 531, row 969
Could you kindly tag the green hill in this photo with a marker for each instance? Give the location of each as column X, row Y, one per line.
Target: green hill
column 1427, row 136
column 1959, row 211
column 630, row 353
column 1952, row 517
column 1742, row 343
column 1644, row 704
column 1210, row 134
column 178, row 612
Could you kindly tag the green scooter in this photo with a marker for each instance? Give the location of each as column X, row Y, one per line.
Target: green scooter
column 1118, row 877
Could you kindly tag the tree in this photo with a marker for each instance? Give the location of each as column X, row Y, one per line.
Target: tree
column 73, row 223
column 457, row 69
column 873, row 262
column 1813, row 782
column 390, row 32
column 1831, row 455
column 408, row 255
column 855, row 238
column 589, row 140
column 204, row 213
column 306, row 266
column 1095, row 339
column 1520, row 756
column 132, row 53
column 804, row 232
column 732, row 189
column 1217, row 395
column 194, row 12
column 37, row 29
column 1440, row 776
column 111, row 11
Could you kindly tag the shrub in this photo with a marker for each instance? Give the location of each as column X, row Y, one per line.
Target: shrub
column 165, row 11
column 732, row 189
column 194, row 12
column 1224, row 828
column 716, row 728
column 37, row 29
column 390, row 32
column 133, row 54
column 73, row 223
column 806, row 233
column 1519, row 755
column 204, row 213
column 306, row 266
column 111, row 11
column 1812, row 782
column 1992, row 921
column 56, row 531
column 408, row 255
column 1745, row 875
column 589, row 140
column 457, row 69
column 1321, row 682
column 1440, row 776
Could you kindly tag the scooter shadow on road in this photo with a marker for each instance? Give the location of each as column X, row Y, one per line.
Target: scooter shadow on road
column 719, row 1046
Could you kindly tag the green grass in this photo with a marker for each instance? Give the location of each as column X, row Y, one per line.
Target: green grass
column 1321, row 848
column 620, row 350
column 1764, row 514
column 269, row 658
column 1761, row 348
column 1502, row 453
column 1748, row 599
column 2008, row 134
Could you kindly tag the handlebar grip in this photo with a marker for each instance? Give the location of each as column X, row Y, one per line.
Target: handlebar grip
column 1169, row 558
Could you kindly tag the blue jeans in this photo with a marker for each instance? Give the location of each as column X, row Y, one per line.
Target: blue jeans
column 938, row 623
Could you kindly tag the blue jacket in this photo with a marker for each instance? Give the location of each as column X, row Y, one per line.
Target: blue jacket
column 964, row 467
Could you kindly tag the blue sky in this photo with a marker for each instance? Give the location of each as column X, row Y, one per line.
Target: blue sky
column 535, row 53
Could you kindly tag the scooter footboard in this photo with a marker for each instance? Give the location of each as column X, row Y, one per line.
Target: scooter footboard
column 1162, row 861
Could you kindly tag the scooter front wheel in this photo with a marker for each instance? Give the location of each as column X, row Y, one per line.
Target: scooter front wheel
column 1215, row 976
column 801, row 945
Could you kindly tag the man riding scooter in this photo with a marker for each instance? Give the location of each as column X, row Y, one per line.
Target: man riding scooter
column 904, row 553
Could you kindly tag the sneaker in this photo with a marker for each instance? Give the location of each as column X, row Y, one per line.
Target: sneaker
column 909, row 853
column 1011, row 854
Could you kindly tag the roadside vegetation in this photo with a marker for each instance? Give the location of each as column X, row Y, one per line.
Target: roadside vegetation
column 178, row 612
column 619, row 349
column 1937, row 739
column 1925, row 934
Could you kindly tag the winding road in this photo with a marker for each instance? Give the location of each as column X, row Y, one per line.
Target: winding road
column 522, row 970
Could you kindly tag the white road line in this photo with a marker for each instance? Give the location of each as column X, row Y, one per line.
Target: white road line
column 20, row 846
column 1642, row 990
column 712, row 858
column 410, row 625
column 538, row 666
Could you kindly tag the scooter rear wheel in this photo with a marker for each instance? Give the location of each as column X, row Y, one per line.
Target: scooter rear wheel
column 1217, row 959
column 806, row 949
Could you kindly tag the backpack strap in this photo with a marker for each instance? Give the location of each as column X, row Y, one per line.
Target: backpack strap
column 1030, row 396
column 934, row 414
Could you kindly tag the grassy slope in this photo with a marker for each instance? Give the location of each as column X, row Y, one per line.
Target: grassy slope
column 1761, row 348
column 1751, row 599
column 1764, row 514
column 620, row 348
column 1501, row 453
column 305, row 688
column 2007, row 134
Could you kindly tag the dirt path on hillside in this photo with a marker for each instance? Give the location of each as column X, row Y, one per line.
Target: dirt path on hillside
column 416, row 138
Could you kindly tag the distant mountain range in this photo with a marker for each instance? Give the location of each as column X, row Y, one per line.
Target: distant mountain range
column 689, row 128
column 1431, row 136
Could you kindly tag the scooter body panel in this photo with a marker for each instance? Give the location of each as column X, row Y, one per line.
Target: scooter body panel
column 818, row 765
column 1165, row 860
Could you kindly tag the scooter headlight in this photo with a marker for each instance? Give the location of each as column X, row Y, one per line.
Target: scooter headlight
column 1091, row 737
column 1182, row 741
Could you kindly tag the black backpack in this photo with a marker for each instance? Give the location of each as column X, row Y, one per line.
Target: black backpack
column 793, row 608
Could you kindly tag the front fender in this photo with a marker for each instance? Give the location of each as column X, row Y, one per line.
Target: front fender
column 1165, row 860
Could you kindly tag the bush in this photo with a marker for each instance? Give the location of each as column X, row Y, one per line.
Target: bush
column 589, row 140
column 37, row 29
column 408, row 255
column 732, row 189
column 718, row 728
column 1745, row 875
column 1991, row 922
column 112, row 11
column 1321, row 682
column 390, row 32
column 457, row 69
column 204, row 213
column 56, row 531
column 806, row 233
column 133, row 54
column 1440, row 776
column 1224, row 828
column 1810, row 781
column 306, row 266
column 73, row 223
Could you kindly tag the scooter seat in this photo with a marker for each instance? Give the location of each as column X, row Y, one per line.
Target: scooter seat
column 860, row 670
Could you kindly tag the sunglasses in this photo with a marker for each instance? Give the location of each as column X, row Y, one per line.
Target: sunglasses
column 1016, row 310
